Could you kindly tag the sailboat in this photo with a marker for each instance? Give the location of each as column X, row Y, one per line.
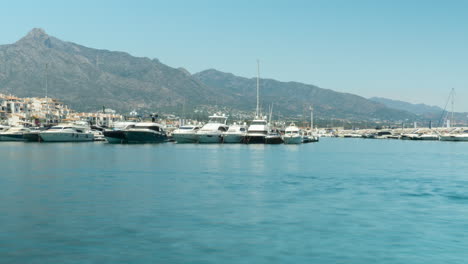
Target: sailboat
column 258, row 129
column 309, row 134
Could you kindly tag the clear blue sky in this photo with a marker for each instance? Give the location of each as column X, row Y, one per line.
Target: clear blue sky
column 409, row 50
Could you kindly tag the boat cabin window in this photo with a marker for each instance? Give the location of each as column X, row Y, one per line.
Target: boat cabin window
column 258, row 131
column 221, row 120
column 186, row 128
column 242, row 129
column 222, row 129
column 155, row 128
column 262, row 122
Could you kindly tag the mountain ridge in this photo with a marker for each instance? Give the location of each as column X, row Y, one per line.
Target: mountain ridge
column 87, row 79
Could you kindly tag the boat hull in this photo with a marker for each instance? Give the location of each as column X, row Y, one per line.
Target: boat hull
column 273, row 140
column 32, row 137
column 185, row 138
column 454, row 138
column 292, row 140
column 209, row 138
column 233, row 138
column 139, row 137
column 255, row 139
column 11, row 137
column 115, row 137
column 66, row 137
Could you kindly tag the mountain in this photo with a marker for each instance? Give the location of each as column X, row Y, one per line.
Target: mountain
column 418, row 109
column 87, row 79
column 425, row 112
column 294, row 97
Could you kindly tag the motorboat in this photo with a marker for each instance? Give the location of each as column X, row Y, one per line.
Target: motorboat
column 14, row 134
column 426, row 137
column 257, row 132
column 309, row 137
column 235, row 134
column 67, row 133
column 186, row 134
column 116, row 134
column 292, row 135
column 212, row 132
column 258, row 128
column 33, row 134
column 98, row 135
column 273, row 137
column 409, row 136
column 383, row 135
column 145, row 132
column 454, row 137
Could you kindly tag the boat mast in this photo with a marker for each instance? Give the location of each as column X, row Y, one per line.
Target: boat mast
column 453, row 99
column 311, row 118
column 257, row 112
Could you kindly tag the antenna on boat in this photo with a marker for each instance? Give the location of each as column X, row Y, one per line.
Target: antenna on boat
column 46, row 80
column 311, row 108
column 257, row 112
column 453, row 101
column 445, row 114
column 271, row 113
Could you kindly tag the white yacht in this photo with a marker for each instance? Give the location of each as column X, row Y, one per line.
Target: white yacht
column 309, row 136
column 212, row 132
column 292, row 135
column 235, row 134
column 431, row 136
column 258, row 128
column 145, row 132
column 455, row 137
column 14, row 134
column 186, row 134
column 257, row 131
column 67, row 133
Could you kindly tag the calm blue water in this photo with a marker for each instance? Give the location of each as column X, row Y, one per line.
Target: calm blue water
column 336, row 201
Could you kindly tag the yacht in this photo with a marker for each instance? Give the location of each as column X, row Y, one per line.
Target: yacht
column 116, row 134
column 67, row 133
column 292, row 135
column 309, row 137
column 259, row 128
column 98, row 135
column 273, row 137
column 33, row 134
column 426, row 137
column 455, row 137
column 186, row 134
column 13, row 134
column 212, row 132
column 257, row 131
column 235, row 134
column 145, row 132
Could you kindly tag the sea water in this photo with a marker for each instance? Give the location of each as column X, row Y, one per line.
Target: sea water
column 336, row 201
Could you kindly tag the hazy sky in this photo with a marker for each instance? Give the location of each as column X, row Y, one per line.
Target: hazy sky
column 409, row 50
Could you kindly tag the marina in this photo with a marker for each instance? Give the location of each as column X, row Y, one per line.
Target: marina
column 182, row 202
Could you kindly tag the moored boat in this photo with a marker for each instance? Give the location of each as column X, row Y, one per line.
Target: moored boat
column 292, row 135
column 116, row 135
column 212, row 132
column 235, row 134
column 145, row 132
column 14, row 134
column 186, row 134
column 67, row 133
